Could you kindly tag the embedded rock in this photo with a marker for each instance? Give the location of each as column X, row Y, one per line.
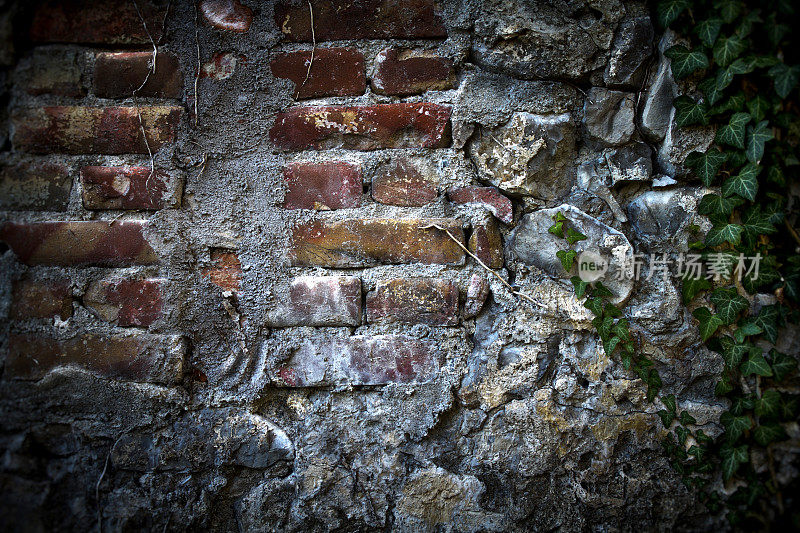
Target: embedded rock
column 608, row 115
column 632, row 46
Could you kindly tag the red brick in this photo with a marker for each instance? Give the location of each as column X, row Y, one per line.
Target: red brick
column 35, row 186
column 41, row 299
column 127, row 302
column 334, row 72
column 323, row 186
column 356, row 243
column 143, row 358
column 487, row 244
column 320, row 301
column 91, row 242
column 360, row 360
column 97, row 22
column 221, row 66
column 226, row 272
column 401, row 183
column 477, row 292
column 121, row 75
column 489, row 197
column 228, row 15
column 420, row 125
column 52, row 71
column 128, row 188
column 414, row 301
column 405, row 72
column 336, row 20
column 94, row 130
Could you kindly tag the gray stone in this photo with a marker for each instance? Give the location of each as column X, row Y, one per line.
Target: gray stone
column 632, row 47
column 533, row 244
column 632, row 162
column 662, row 90
column 594, row 176
column 609, row 115
column 659, row 216
column 531, row 155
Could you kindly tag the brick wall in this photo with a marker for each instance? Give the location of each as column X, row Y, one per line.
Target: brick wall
column 240, row 274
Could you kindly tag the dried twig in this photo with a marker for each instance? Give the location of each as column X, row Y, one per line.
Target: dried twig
column 100, row 480
column 495, row 274
column 313, row 49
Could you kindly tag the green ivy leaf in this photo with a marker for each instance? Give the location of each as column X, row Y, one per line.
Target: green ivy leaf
column 789, row 407
column 595, row 305
column 756, row 364
column 685, row 61
column 709, row 323
column 747, row 329
column 580, row 286
column 601, row 290
column 758, row 107
column 612, row 310
column 731, row 459
column 728, row 48
column 767, row 320
column 689, row 112
column 686, row 419
column 666, row 418
column 692, row 286
column 708, row 30
column 768, row 405
column 733, row 133
column 767, row 433
column 610, row 345
column 682, row 433
column 603, row 326
column 728, row 304
column 670, row 403
column 706, row 165
column 723, row 387
column 742, row 404
column 743, row 184
column 785, row 78
column 713, row 204
column 710, row 90
column 728, row 9
column 728, row 232
column 735, row 426
column 733, row 352
column 747, row 23
column 574, row 236
column 567, row 258
column 669, row 10
column 782, row 364
column 756, row 138
column 557, row 229
column 756, row 223
column 776, row 32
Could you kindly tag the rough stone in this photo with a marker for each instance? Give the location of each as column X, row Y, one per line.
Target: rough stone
column 477, row 292
column 631, row 162
column 661, row 91
column 221, row 66
column 227, row 15
column 609, row 115
column 658, row 216
column 633, row 46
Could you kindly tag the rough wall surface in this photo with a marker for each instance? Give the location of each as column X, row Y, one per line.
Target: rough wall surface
column 235, row 292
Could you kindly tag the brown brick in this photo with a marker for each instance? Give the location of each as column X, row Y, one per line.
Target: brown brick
column 121, row 75
column 226, row 272
column 401, row 183
column 334, row 72
column 127, row 302
column 35, row 186
column 143, row 358
column 323, row 186
column 336, row 20
column 356, row 243
column 320, row 301
column 221, row 66
column 128, row 188
column 489, row 197
column 405, row 72
column 487, row 244
column 52, row 71
column 79, row 243
column 97, row 22
column 360, row 360
column 41, row 299
column 477, row 292
column 414, row 301
column 420, row 125
column 228, row 15
column 94, row 130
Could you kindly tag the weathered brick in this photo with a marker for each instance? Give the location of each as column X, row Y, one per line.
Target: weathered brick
column 143, row 358
column 419, row 125
column 405, row 72
column 477, row 292
column 323, row 186
column 52, row 71
column 97, row 22
column 320, row 301
column 364, row 242
column 228, row 15
column 414, row 301
column 334, row 72
column 94, row 130
column 34, row 186
column 33, row 298
column 121, row 75
column 336, row 20
column 127, row 302
column 221, row 66
column 91, row 242
column 487, row 244
column 489, row 197
column 226, row 272
column 360, row 360
column 401, row 183
column 128, row 188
